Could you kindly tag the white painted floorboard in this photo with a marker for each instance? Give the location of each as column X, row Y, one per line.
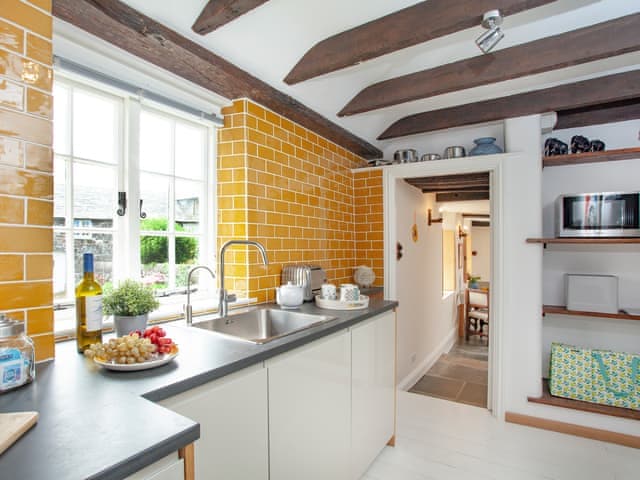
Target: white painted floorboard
column 441, row 440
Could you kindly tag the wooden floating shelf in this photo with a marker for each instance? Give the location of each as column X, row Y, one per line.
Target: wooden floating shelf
column 562, row 310
column 548, row 399
column 585, row 241
column 591, row 157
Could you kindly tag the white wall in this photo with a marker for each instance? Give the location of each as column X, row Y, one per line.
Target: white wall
column 481, row 244
column 426, row 321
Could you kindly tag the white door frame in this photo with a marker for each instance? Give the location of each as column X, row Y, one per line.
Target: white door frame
column 494, row 165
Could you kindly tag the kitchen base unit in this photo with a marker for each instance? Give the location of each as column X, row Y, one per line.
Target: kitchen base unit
column 373, row 393
column 310, row 410
column 232, row 413
column 171, row 467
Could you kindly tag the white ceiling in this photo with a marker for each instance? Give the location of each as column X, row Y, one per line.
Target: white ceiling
column 269, row 40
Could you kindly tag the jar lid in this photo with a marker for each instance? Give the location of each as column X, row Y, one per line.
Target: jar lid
column 10, row 327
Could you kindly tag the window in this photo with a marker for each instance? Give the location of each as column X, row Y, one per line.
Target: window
column 448, row 261
column 106, row 142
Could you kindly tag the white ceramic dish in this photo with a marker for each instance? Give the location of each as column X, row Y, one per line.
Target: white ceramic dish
column 360, row 304
column 163, row 359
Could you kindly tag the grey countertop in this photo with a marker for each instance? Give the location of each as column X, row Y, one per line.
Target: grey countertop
column 99, row 424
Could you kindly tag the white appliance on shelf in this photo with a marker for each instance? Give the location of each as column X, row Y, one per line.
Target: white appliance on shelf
column 592, row 293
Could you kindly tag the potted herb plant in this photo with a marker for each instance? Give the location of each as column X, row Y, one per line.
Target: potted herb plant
column 129, row 303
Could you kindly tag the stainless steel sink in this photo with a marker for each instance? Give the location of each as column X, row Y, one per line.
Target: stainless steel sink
column 262, row 325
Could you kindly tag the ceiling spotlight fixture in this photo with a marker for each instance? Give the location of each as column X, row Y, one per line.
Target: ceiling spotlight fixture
column 489, row 39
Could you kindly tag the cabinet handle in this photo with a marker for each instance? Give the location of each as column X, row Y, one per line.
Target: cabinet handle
column 122, row 204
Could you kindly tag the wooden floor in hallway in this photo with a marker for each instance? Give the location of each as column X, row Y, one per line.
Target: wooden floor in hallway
column 443, row 440
column 460, row 375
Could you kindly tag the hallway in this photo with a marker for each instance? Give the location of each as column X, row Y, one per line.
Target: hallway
column 440, row 440
column 460, row 375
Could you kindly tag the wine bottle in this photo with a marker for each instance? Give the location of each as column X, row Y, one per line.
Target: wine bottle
column 88, row 307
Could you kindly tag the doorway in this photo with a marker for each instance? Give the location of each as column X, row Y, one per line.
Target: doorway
column 460, row 374
column 411, row 370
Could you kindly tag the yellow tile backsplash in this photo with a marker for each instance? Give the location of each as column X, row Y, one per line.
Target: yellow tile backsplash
column 11, row 37
column 300, row 196
column 39, row 49
column 11, row 209
column 26, row 190
column 11, row 95
column 27, row 16
column 11, row 152
column 11, row 268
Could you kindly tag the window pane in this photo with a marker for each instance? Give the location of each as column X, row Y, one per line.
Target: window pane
column 94, row 196
column 154, row 258
column 59, row 193
column 190, row 148
column 155, row 143
column 188, row 206
column 60, row 287
column 101, row 245
column 95, row 126
column 186, row 257
column 154, row 191
column 61, row 114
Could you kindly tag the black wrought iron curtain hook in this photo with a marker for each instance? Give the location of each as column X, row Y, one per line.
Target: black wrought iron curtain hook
column 142, row 214
column 122, row 204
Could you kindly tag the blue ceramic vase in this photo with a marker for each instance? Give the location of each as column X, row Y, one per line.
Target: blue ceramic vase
column 485, row 146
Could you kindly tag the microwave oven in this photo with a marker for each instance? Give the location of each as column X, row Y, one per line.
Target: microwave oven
column 604, row 214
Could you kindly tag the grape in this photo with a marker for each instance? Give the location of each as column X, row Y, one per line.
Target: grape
column 129, row 349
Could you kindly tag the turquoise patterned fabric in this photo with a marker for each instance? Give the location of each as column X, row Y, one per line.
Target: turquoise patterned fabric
column 597, row 376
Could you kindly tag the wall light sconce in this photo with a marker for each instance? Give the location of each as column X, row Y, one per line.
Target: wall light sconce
column 489, row 39
column 431, row 220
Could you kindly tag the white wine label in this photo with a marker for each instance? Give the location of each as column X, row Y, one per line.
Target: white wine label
column 93, row 307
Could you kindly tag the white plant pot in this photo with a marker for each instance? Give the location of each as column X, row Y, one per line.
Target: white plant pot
column 126, row 324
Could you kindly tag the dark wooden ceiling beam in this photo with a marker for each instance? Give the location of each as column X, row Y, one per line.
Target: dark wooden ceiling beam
column 220, row 12
column 461, row 196
column 603, row 40
column 126, row 28
column 599, row 114
column 410, row 26
column 611, row 88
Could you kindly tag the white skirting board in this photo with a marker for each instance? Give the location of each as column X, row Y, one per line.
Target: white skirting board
column 423, row 367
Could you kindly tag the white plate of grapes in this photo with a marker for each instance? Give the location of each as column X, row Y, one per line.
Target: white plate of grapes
column 136, row 351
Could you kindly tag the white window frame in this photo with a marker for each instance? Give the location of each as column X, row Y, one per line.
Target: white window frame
column 126, row 229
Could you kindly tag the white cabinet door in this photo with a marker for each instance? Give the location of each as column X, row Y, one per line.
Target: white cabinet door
column 168, row 468
column 232, row 413
column 373, row 353
column 309, row 411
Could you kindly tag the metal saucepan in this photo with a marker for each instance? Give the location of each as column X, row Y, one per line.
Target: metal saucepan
column 430, row 156
column 406, row 155
column 454, row 152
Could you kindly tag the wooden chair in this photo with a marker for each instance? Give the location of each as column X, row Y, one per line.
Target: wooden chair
column 477, row 313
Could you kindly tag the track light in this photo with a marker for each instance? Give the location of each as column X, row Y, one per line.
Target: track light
column 489, row 39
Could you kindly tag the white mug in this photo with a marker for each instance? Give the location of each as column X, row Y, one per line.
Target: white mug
column 349, row 292
column 328, row 291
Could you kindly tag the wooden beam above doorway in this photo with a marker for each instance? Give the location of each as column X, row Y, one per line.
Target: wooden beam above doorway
column 128, row 29
column 217, row 13
column 606, row 89
column 416, row 24
column 462, row 196
column 603, row 40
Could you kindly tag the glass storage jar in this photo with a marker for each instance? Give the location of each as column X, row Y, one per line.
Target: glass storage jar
column 17, row 356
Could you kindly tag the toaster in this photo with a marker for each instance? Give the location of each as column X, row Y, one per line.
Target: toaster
column 310, row 277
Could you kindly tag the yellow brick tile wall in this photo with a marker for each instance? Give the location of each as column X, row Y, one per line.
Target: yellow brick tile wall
column 26, row 182
column 292, row 190
column 369, row 225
